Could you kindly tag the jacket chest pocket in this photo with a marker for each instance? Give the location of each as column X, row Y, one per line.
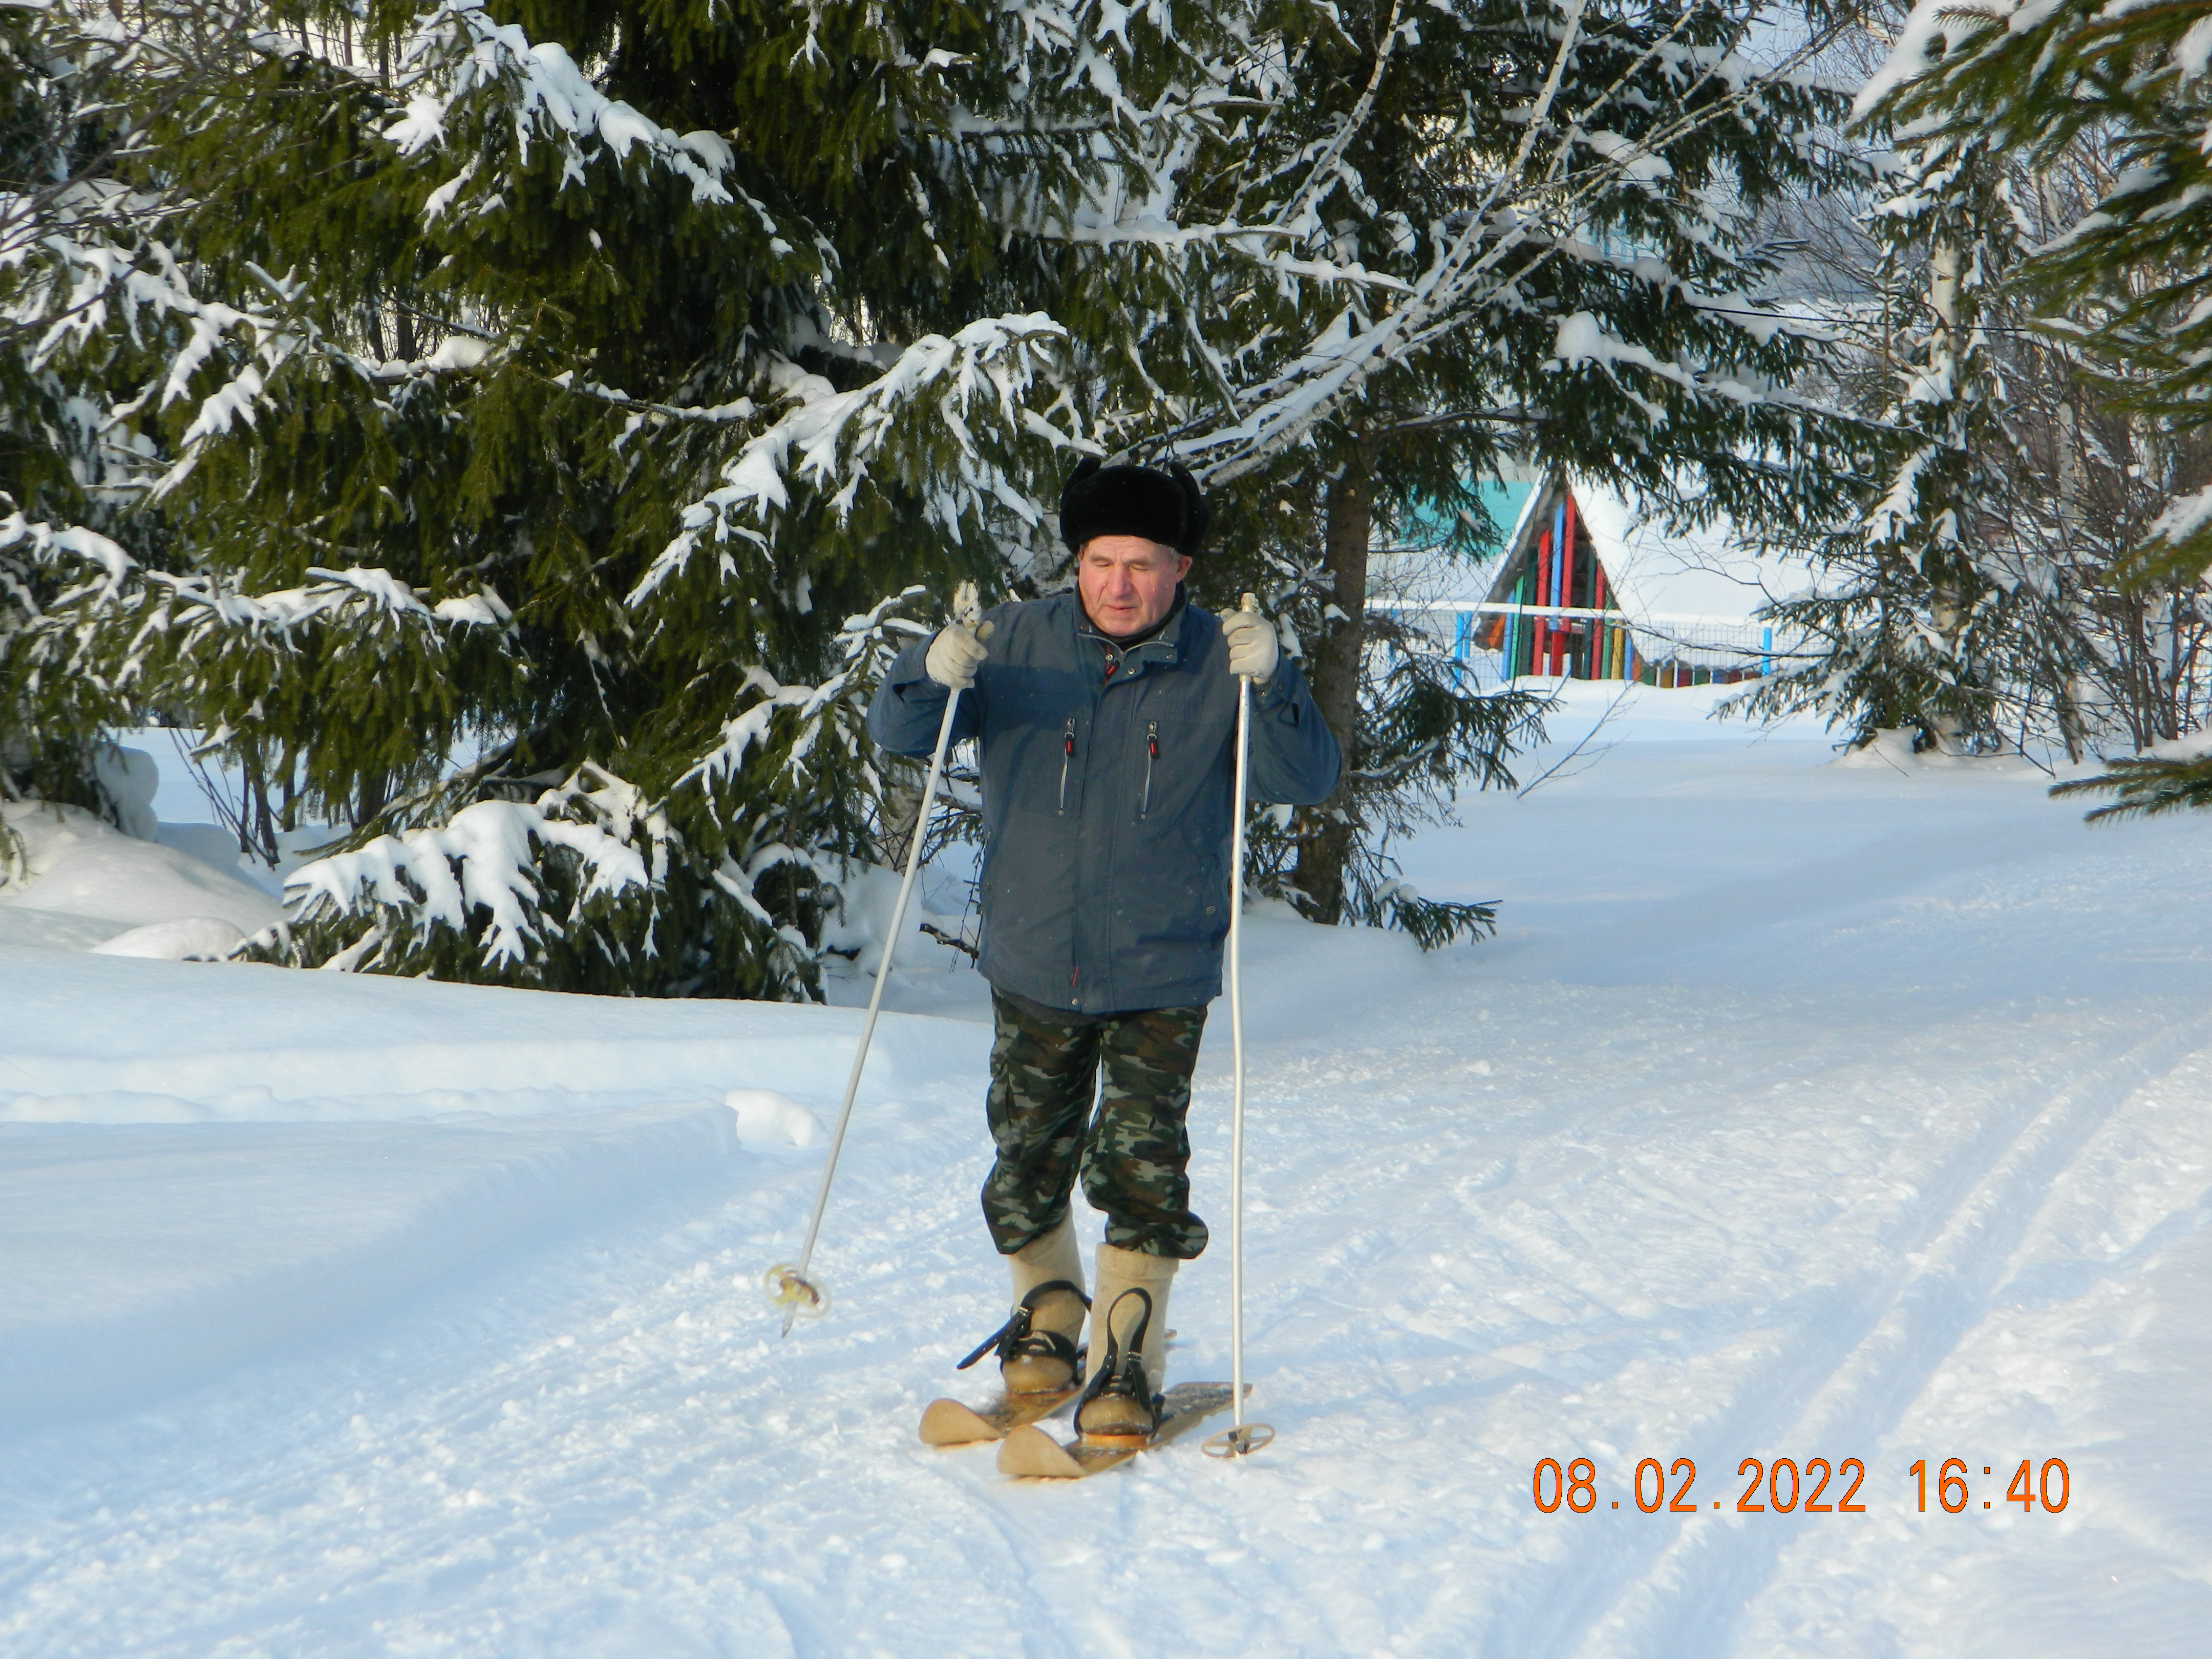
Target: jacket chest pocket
column 1036, row 761
column 1162, row 764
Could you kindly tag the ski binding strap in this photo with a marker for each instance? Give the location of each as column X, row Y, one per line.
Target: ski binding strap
column 1015, row 1339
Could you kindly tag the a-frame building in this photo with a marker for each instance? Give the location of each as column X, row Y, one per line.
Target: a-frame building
column 1565, row 619
column 1589, row 587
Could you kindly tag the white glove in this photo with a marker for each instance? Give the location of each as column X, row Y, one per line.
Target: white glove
column 1253, row 649
column 956, row 654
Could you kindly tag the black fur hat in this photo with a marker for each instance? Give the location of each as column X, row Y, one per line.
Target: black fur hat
column 1134, row 501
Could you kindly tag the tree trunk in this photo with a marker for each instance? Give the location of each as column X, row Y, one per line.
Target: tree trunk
column 1947, row 601
column 1325, row 853
column 374, row 795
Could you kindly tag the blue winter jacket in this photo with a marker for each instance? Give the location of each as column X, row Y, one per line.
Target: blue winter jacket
column 1106, row 787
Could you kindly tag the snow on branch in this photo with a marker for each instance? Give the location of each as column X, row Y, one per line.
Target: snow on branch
column 1934, row 28
column 43, row 541
column 1326, row 166
column 73, row 286
column 919, row 417
column 1581, row 341
column 795, row 750
column 459, row 51
column 58, row 586
column 1526, row 210
column 352, row 596
column 485, row 858
column 2185, row 518
column 865, row 645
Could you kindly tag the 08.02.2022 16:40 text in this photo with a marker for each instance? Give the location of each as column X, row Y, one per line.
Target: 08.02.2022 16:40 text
column 1783, row 1487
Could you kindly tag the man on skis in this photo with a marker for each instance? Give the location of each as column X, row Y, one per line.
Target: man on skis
column 1106, row 721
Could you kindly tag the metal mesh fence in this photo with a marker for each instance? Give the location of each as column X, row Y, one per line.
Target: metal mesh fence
column 1500, row 642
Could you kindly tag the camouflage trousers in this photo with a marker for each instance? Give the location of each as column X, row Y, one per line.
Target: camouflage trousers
column 1131, row 1154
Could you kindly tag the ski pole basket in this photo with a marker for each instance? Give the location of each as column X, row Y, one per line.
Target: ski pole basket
column 798, row 1296
column 1242, row 1441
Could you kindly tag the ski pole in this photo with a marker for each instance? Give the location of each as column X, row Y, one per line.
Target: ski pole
column 1243, row 1438
column 787, row 1285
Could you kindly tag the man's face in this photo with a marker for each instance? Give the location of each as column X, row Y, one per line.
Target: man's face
column 1126, row 582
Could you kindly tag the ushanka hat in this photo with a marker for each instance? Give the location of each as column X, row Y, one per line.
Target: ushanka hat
column 1134, row 501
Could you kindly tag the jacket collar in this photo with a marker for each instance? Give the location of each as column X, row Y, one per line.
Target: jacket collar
column 1162, row 648
column 1164, row 645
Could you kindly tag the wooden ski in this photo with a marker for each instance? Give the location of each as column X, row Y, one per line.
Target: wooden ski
column 949, row 1423
column 1030, row 1452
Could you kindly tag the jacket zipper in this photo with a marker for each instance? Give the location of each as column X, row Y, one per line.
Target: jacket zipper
column 1067, row 754
column 1151, row 754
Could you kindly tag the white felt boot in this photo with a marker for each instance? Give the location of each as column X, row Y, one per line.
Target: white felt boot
column 1129, row 1343
column 1031, row 1366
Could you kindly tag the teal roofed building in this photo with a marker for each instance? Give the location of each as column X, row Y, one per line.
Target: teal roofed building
column 1429, row 528
column 1585, row 585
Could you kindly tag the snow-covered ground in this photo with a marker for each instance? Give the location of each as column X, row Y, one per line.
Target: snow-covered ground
column 1800, row 1111
column 168, row 890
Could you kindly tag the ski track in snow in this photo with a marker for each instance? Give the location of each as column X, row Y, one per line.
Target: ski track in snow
column 1799, row 1112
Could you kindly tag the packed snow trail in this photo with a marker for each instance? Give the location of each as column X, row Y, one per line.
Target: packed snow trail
column 1799, row 1112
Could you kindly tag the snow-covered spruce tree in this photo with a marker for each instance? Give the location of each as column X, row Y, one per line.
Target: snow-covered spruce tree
column 2091, row 654
column 2127, row 284
column 1476, row 226
column 1922, row 608
column 1969, row 598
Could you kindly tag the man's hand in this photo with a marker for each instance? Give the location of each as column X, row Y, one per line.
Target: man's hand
column 1253, row 648
column 956, row 654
